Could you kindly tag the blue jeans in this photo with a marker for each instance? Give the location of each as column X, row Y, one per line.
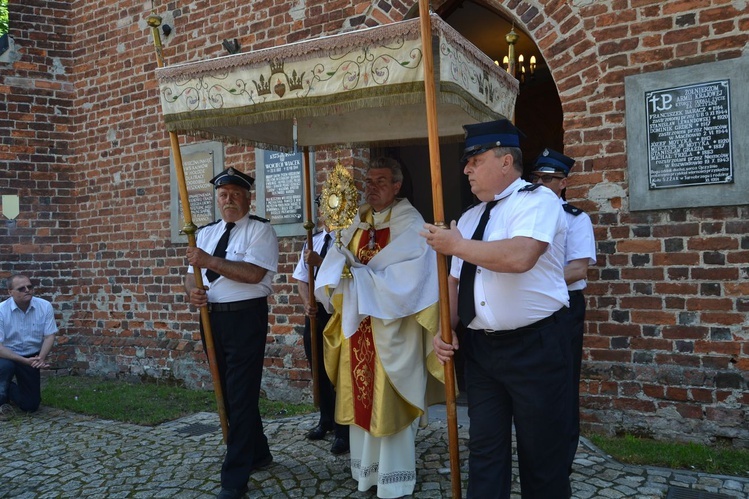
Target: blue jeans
column 26, row 392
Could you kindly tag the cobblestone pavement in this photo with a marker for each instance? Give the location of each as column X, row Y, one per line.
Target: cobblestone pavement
column 58, row 454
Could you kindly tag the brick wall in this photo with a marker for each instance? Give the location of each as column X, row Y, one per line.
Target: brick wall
column 35, row 144
column 667, row 350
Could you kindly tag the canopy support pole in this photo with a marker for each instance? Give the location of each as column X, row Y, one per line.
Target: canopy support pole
column 309, row 225
column 189, row 228
column 439, row 215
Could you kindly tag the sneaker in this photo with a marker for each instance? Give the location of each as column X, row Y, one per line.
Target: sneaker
column 6, row 412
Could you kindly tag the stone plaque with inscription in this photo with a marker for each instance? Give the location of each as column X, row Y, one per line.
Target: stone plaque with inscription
column 689, row 135
column 200, row 163
column 280, row 190
column 283, row 187
column 685, row 142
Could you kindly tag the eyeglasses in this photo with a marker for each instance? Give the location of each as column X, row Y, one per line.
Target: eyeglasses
column 23, row 289
column 380, row 182
column 544, row 178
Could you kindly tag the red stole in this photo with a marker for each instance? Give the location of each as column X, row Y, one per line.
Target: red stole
column 361, row 344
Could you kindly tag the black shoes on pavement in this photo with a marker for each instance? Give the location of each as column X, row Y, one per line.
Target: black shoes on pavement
column 340, row 446
column 317, row 433
column 232, row 493
column 262, row 463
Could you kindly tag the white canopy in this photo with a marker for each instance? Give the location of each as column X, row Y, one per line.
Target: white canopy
column 362, row 87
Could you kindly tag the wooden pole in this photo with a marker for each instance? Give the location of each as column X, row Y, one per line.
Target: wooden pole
column 439, row 216
column 309, row 225
column 189, row 228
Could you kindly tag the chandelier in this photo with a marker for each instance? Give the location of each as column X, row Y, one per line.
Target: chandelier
column 516, row 66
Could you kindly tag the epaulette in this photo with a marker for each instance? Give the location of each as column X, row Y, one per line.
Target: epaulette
column 572, row 210
column 470, row 207
column 259, row 219
column 208, row 225
column 529, row 188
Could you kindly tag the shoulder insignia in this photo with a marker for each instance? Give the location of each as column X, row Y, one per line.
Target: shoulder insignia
column 529, row 188
column 469, row 207
column 208, row 225
column 572, row 210
column 259, row 219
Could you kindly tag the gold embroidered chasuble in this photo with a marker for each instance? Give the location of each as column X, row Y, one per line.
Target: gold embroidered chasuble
column 382, row 355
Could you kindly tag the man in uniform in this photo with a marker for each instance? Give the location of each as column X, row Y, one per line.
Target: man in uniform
column 27, row 333
column 552, row 169
column 379, row 336
column 321, row 244
column 238, row 256
column 507, row 288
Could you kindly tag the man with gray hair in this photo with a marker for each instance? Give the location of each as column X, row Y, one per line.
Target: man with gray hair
column 377, row 343
column 27, row 333
column 507, row 288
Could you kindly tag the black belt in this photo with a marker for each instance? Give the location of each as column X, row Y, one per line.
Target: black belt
column 576, row 292
column 502, row 333
column 236, row 306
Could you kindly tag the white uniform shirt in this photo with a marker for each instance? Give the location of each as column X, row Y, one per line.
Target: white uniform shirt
column 251, row 241
column 510, row 300
column 581, row 243
column 23, row 332
column 301, row 272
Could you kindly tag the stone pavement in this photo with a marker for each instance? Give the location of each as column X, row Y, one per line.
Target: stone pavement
column 58, row 454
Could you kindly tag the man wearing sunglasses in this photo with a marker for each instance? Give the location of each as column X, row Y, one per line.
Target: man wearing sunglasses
column 552, row 169
column 27, row 333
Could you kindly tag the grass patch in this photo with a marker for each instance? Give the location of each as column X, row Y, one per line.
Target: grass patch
column 718, row 460
column 145, row 404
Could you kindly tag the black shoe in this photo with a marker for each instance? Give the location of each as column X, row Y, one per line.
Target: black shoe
column 232, row 493
column 317, row 433
column 340, row 446
column 262, row 463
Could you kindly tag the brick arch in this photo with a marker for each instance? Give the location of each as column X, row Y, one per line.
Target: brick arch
column 375, row 13
column 567, row 47
column 577, row 63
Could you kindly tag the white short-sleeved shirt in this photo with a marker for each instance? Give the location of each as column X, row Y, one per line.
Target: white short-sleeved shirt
column 301, row 272
column 252, row 240
column 581, row 242
column 24, row 332
column 510, row 300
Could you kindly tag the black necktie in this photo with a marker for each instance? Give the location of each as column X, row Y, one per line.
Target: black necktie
column 220, row 250
column 323, row 251
column 466, row 305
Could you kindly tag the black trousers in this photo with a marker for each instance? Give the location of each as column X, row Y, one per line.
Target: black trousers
column 523, row 378
column 575, row 320
column 239, row 342
column 26, row 392
column 327, row 390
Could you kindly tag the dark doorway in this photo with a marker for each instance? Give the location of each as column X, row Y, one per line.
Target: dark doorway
column 538, row 112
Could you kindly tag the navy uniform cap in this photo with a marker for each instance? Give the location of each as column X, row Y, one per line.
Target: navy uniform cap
column 232, row 176
column 551, row 161
column 482, row 137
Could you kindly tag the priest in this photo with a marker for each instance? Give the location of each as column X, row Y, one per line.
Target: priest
column 381, row 288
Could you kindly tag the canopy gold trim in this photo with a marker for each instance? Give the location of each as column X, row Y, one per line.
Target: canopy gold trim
column 357, row 88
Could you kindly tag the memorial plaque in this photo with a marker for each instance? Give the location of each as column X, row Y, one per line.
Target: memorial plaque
column 685, row 142
column 200, row 163
column 198, row 168
column 689, row 135
column 279, row 182
column 283, row 187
